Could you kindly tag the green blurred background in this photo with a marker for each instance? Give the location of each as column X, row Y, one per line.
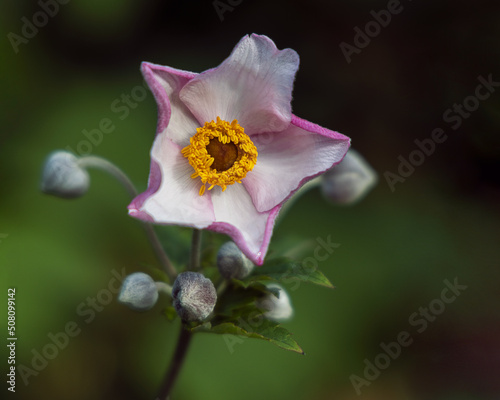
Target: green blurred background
column 396, row 248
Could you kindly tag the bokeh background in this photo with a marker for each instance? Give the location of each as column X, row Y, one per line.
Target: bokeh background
column 396, row 247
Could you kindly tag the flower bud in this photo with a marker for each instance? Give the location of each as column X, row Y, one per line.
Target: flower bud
column 349, row 181
column 194, row 296
column 232, row 263
column 63, row 177
column 278, row 309
column 138, row 292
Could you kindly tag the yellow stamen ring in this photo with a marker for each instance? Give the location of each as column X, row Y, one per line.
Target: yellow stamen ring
column 221, row 154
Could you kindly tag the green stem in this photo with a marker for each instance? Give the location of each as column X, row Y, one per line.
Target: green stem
column 194, row 262
column 110, row 168
column 163, row 287
column 160, row 253
column 113, row 170
column 176, row 363
column 221, row 288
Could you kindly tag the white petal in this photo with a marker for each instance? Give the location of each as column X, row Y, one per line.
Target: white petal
column 177, row 201
column 288, row 159
column 174, row 118
column 253, row 85
column 237, row 217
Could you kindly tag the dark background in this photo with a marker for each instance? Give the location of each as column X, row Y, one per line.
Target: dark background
column 396, row 247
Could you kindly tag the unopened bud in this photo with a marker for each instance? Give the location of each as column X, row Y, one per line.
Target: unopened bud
column 194, row 296
column 232, row 263
column 63, row 177
column 139, row 292
column 278, row 308
column 348, row 181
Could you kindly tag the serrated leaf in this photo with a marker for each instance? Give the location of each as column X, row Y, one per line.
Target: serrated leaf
column 265, row 330
column 286, row 271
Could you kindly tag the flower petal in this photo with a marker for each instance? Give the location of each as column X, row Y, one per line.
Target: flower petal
column 174, row 200
column 289, row 159
column 253, row 85
column 174, row 118
column 237, row 217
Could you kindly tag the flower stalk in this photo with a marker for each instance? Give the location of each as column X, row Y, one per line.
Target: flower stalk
column 160, row 253
column 113, row 170
column 162, row 287
column 176, row 363
column 110, row 168
column 194, row 262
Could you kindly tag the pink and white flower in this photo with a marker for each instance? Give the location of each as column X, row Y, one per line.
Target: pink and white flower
column 249, row 96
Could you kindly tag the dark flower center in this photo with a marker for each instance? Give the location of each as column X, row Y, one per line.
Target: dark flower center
column 224, row 154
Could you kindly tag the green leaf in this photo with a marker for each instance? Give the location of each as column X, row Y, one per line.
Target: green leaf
column 235, row 299
column 264, row 330
column 283, row 270
column 197, row 327
column 257, row 286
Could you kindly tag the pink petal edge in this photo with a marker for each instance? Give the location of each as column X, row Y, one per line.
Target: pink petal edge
column 176, row 201
column 253, row 85
column 304, row 124
column 159, row 93
column 164, row 113
column 312, row 127
column 235, row 234
column 265, row 195
column 154, row 183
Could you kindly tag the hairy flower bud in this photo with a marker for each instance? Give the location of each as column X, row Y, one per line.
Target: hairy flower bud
column 232, row 263
column 278, row 309
column 63, row 177
column 194, row 296
column 348, row 181
column 139, row 292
